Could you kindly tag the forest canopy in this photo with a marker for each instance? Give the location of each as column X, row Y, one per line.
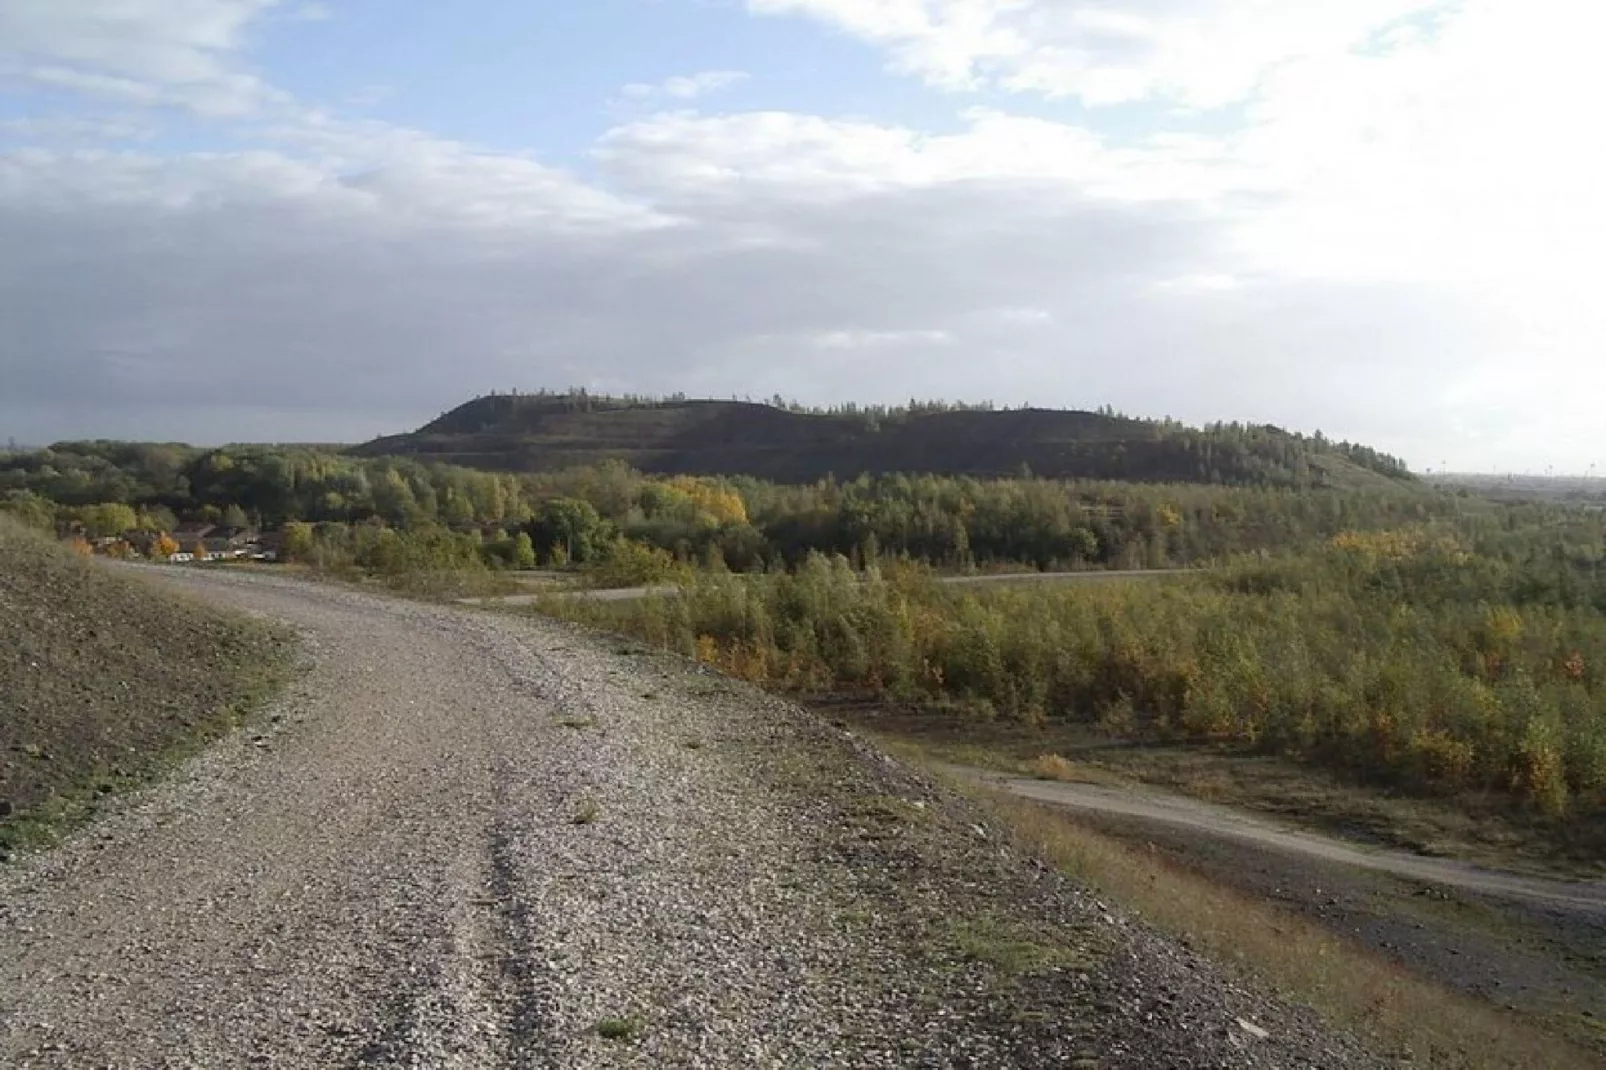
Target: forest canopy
column 101, row 488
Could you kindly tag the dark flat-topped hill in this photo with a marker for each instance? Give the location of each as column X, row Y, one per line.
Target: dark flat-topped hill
column 531, row 433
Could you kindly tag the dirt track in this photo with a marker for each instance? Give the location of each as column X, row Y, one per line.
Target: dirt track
column 1531, row 945
column 1181, row 811
column 473, row 841
column 631, row 594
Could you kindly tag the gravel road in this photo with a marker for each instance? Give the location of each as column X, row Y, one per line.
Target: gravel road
column 466, row 840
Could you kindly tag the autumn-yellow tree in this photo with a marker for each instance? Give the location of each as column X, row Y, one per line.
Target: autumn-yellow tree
column 715, row 504
column 298, row 542
column 163, row 547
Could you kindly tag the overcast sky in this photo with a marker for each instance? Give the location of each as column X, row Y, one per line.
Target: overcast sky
column 257, row 220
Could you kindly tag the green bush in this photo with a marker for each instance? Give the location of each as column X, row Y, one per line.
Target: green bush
column 1426, row 677
column 627, row 563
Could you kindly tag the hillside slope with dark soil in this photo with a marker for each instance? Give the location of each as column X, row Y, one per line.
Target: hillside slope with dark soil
column 543, row 433
column 103, row 676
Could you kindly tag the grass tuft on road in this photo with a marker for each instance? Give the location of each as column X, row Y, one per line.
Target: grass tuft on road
column 1015, row 948
column 586, row 812
column 106, row 679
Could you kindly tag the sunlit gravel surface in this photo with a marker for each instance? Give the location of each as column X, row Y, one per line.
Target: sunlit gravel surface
column 469, row 840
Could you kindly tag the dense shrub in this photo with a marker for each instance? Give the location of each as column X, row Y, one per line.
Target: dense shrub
column 627, row 563
column 1415, row 667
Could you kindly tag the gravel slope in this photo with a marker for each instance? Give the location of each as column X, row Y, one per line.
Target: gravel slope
column 473, row 841
column 103, row 678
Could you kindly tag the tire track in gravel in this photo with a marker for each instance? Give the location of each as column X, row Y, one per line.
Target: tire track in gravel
column 469, row 840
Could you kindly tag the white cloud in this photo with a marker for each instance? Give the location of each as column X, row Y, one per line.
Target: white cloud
column 59, row 128
column 686, row 87
column 1014, row 316
column 145, row 52
column 1463, row 157
column 1216, row 283
column 870, row 339
column 388, row 179
column 692, row 155
column 1458, row 162
column 1203, row 53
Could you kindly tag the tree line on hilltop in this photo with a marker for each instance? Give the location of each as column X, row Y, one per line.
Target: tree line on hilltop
column 513, row 431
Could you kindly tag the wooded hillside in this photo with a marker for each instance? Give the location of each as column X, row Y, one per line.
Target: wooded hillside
column 789, row 444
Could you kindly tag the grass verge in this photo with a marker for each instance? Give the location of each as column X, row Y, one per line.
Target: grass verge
column 1481, row 829
column 107, row 681
column 1349, row 985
